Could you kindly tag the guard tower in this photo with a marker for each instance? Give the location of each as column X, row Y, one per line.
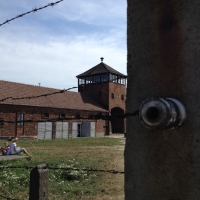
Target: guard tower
column 108, row 86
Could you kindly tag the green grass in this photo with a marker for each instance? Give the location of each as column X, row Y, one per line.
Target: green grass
column 95, row 153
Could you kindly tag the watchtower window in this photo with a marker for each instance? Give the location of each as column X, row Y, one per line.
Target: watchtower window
column 112, row 96
column 88, row 79
column 96, row 78
column 122, row 97
column 104, row 77
column 123, row 81
column 113, row 78
column 81, row 81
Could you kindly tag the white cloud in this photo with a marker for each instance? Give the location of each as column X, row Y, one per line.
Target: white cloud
column 30, row 54
column 94, row 12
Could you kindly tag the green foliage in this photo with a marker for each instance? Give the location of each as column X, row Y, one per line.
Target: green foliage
column 81, row 153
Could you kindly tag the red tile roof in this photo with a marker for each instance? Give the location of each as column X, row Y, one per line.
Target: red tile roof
column 101, row 68
column 67, row 99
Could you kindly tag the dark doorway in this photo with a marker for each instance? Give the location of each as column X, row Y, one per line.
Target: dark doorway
column 117, row 122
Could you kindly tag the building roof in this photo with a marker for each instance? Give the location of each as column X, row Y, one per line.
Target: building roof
column 101, row 68
column 28, row 95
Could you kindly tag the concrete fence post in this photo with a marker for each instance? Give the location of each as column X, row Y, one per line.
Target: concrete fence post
column 163, row 40
column 39, row 178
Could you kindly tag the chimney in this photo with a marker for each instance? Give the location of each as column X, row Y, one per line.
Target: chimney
column 101, row 59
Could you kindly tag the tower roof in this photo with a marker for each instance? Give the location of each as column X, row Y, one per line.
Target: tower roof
column 101, row 68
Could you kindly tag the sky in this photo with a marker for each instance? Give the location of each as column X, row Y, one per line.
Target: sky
column 52, row 46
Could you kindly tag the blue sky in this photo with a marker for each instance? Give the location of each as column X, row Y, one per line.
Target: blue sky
column 54, row 45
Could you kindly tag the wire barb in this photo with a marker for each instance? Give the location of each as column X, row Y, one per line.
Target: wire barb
column 67, row 169
column 33, row 11
column 42, row 95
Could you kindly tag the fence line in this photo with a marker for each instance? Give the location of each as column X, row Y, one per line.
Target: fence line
column 33, row 97
column 32, row 11
column 56, row 168
column 67, row 169
column 90, row 117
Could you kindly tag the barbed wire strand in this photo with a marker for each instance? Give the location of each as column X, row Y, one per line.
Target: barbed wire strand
column 32, row 11
column 67, row 169
column 91, row 117
column 33, row 97
column 58, row 168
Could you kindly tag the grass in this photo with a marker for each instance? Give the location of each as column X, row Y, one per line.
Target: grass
column 95, row 153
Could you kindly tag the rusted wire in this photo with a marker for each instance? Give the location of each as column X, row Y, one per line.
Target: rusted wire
column 32, row 11
column 33, row 97
column 57, row 168
column 90, row 117
column 67, row 169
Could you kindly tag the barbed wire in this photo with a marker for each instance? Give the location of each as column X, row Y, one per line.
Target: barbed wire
column 32, row 11
column 90, row 117
column 67, row 169
column 58, row 168
column 37, row 96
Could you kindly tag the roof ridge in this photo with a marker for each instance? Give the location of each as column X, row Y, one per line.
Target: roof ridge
column 101, row 68
column 105, row 66
column 30, row 85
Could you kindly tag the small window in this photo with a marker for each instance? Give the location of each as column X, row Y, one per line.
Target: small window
column 45, row 115
column 20, row 119
column 112, row 96
column 122, row 97
column 62, row 115
column 1, row 122
column 78, row 116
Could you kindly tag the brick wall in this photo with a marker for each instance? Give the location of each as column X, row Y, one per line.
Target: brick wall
column 9, row 113
column 110, row 94
column 99, row 91
column 117, row 90
column 103, row 92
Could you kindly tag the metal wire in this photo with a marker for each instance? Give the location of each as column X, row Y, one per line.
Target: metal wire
column 67, row 169
column 33, row 97
column 57, row 168
column 32, row 11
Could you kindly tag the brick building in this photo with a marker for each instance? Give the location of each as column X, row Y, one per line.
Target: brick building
column 45, row 113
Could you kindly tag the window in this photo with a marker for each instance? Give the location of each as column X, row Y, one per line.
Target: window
column 88, row 79
column 123, row 81
column 20, row 119
column 1, row 122
column 96, row 78
column 45, row 115
column 122, row 97
column 113, row 78
column 104, row 77
column 112, row 96
column 62, row 115
column 81, row 81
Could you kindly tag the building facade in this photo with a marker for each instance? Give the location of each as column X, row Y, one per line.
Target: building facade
column 46, row 113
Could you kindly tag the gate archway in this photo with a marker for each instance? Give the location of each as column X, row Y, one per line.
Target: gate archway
column 117, row 123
